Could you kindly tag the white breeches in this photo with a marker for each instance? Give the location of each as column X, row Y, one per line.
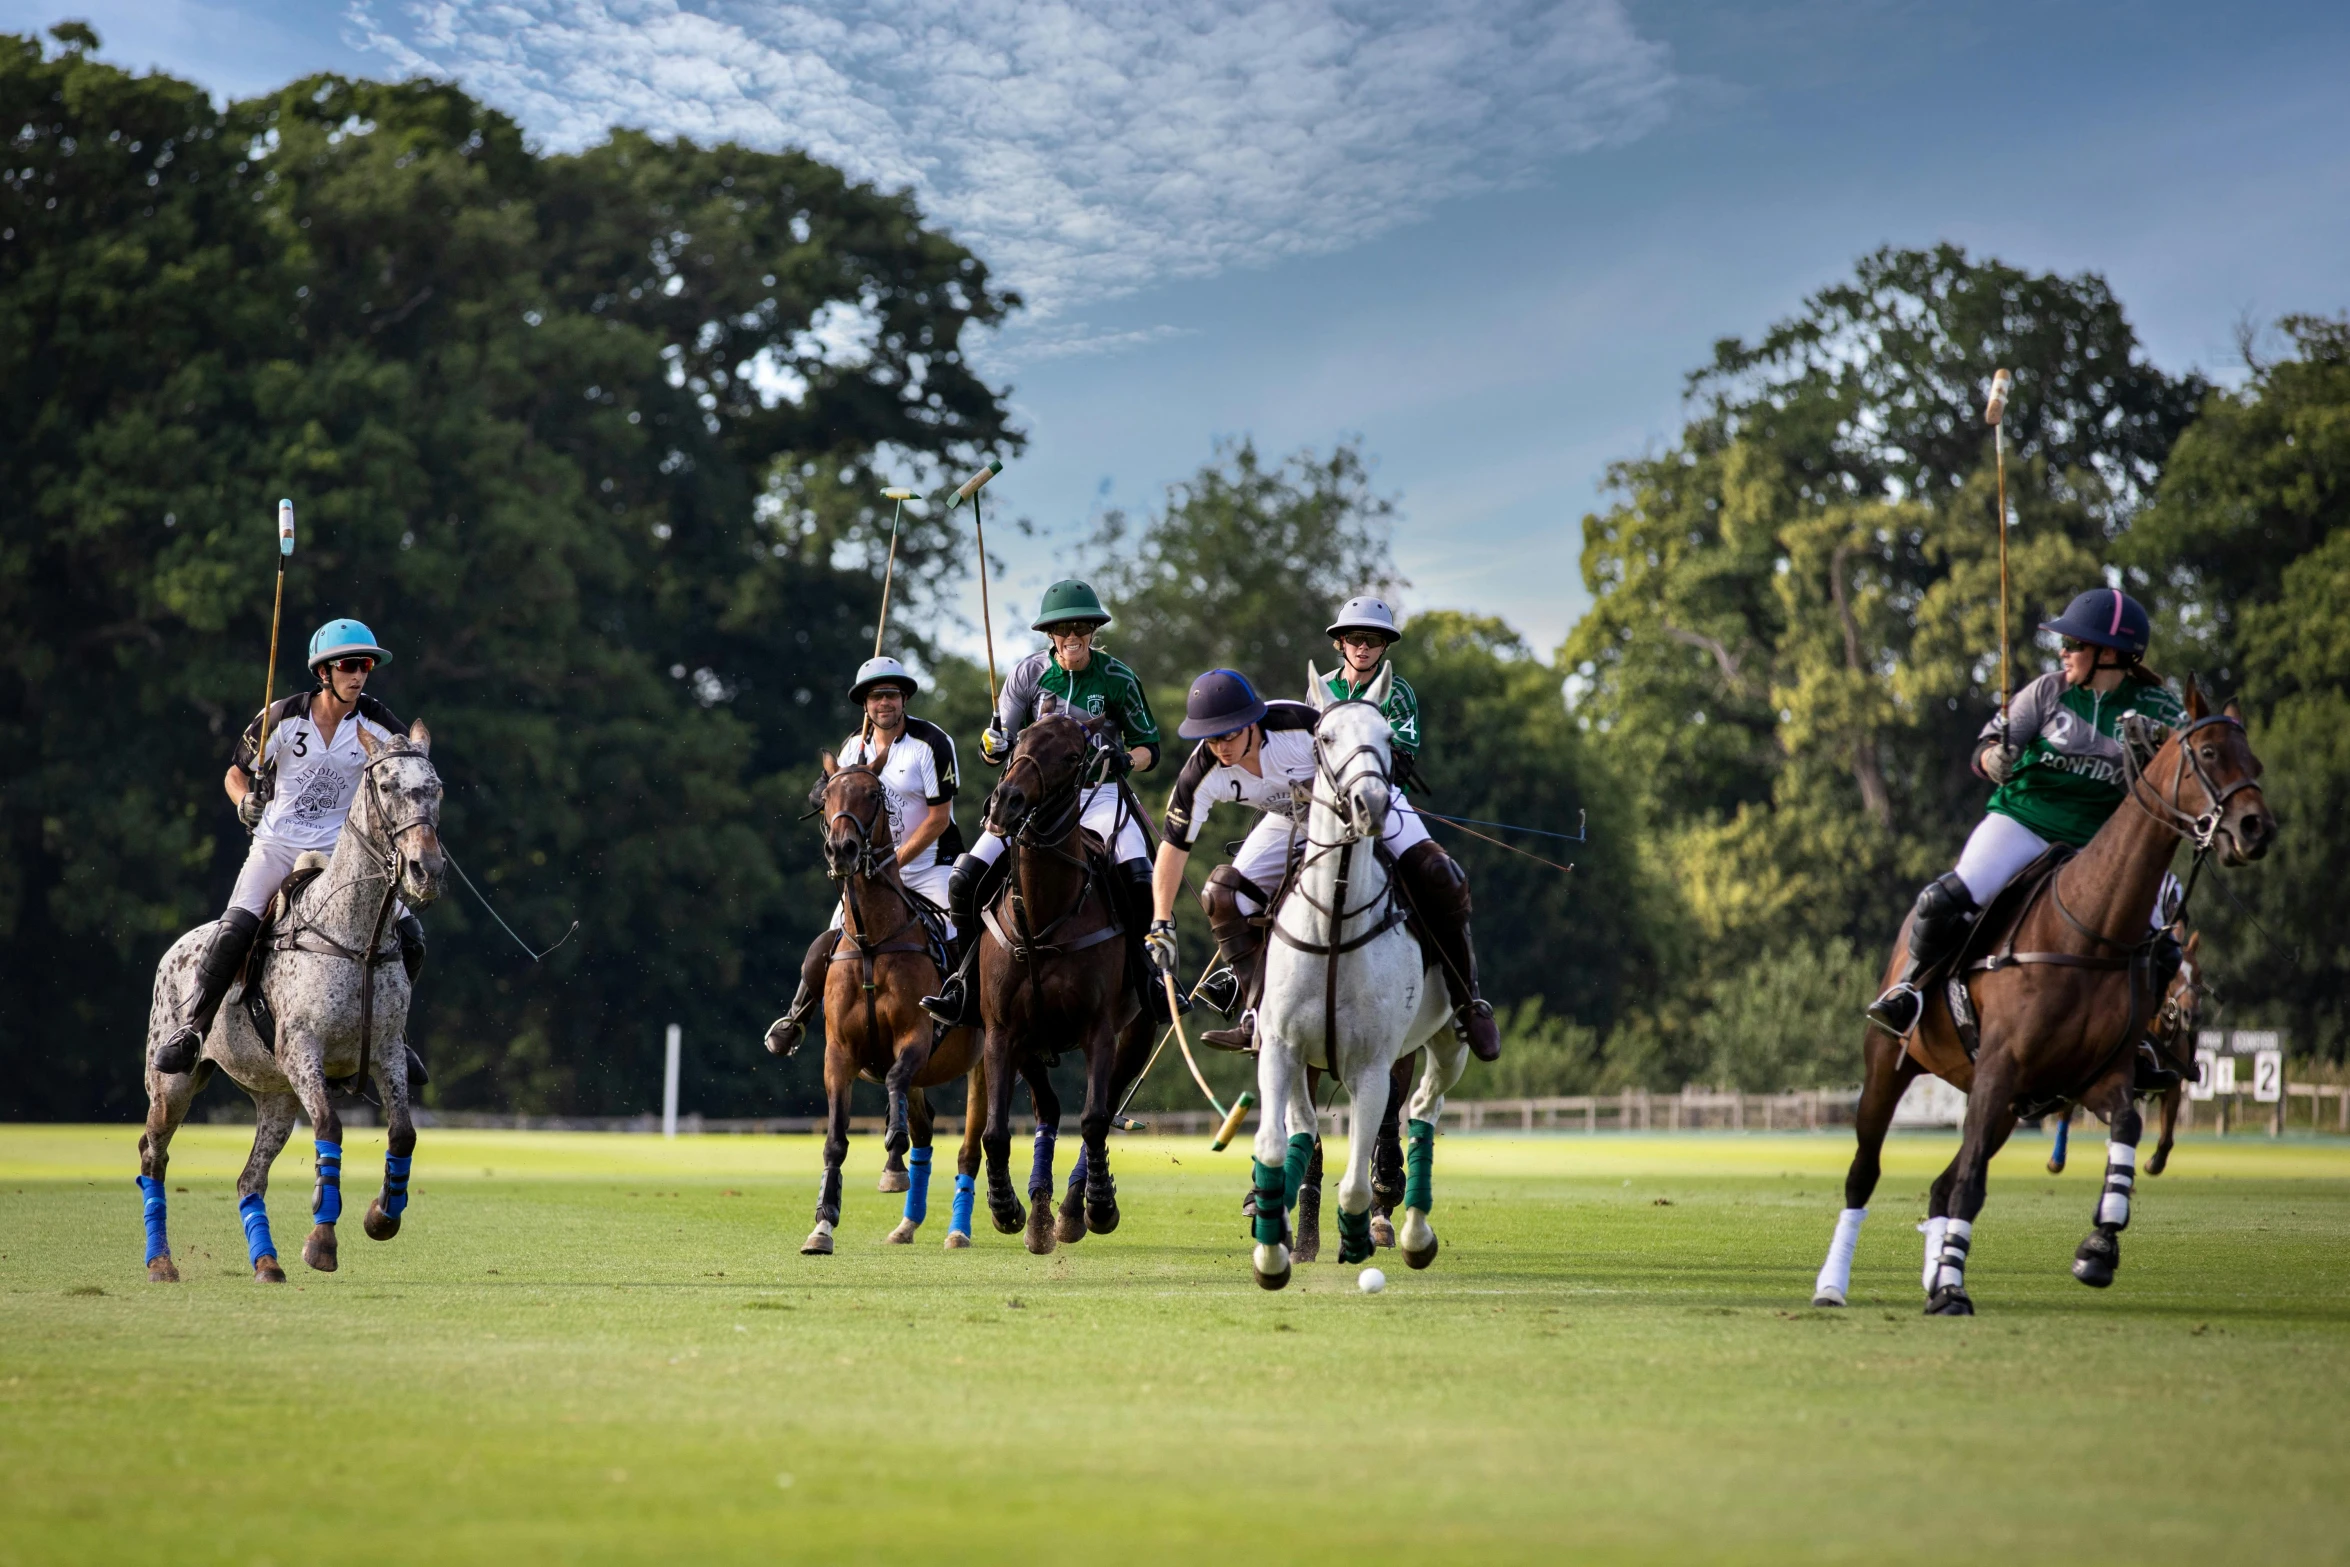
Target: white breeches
column 1121, row 830
column 2000, row 846
column 926, row 880
column 1264, row 853
column 267, row 865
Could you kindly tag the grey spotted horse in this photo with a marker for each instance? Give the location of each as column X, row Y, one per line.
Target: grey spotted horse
column 336, row 989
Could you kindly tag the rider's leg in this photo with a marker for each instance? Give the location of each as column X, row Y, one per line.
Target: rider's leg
column 1439, row 893
column 783, row 1035
column 267, row 864
column 1235, row 900
column 971, row 882
column 1106, row 814
column 1998, row 848
column 410, row 930
column 2157, row 1073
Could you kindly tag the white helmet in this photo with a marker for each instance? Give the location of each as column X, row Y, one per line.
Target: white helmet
column 1365, row 613
column 874, row 671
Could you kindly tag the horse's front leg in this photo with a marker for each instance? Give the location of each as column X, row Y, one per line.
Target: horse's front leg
column 1003, row 1207
column 1415, row 1237
column 168, row 1099
column 910, row 1053
column 302, row 1059
column 967, row 1157
column 1357, row 1188
column 1101, row 1090
column 840, row 1077
column 2170, row 1126
column 920, row 1124
column 2063, row 1140
column 1043, row 1233
column 1281, row 1083
column 2101, row 1253
column 1886, row 1073
column 391, row 1085
column 1990, row 1116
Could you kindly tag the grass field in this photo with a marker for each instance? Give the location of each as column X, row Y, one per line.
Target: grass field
column 604, row 1348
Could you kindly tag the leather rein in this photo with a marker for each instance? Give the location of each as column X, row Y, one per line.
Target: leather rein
column 1042, row 829
column 868, row 868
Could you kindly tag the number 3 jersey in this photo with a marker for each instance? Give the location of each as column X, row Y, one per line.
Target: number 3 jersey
column 316, row 777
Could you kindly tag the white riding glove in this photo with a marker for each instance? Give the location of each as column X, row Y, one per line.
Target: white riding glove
column 1160, row 944
column 1998, row 760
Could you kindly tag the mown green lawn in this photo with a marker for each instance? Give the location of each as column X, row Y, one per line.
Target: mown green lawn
column 603, row 1348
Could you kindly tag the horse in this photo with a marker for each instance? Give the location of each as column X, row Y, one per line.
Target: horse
column 874, row 1025
column 341, row 1011
column 2174, row 1032
column 1387, row 1169
column 1052, row 971
column 2060, row 1005
column 1342, row 913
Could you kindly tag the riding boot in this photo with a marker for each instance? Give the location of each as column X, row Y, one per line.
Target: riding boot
column 2158, row 1069
column 783, row 1035
column 1937, row 928
column 969, row 885
column 1133, row 882
column 216, row 970
column 410, row 930
column 1241, row 941
column 1439, row 894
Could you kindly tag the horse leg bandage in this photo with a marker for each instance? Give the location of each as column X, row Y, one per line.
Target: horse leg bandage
column 1958, row 1236
column 2121, row 1177
column 966, row 1194
column 1419, row 1167
column 1271, row 1192
column 1932, row 1229
column 1294, row 1162
column 1836, row 1273
column 1079, row 1166
column 1354, row 1236
column 1040, row 1171
column 327, row 1206
column 254, row 1210
column 152, row 1210
column 396, row 1184
column 917, row 1185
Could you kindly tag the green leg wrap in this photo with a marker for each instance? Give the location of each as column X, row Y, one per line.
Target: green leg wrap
column 1269, row 1184
column 1419, row 1165
column 1294, row 1165
column 1354, row 1236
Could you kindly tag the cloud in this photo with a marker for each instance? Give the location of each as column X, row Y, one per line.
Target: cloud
column 1086, row 151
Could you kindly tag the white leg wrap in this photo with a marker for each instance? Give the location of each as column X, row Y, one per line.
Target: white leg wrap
column 1958, row 1236
column 1932, row 1230
column 2121, row 1178
column 1835, row 1278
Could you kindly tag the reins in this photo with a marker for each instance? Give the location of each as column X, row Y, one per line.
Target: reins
column 866, row 869
column 1043, row 829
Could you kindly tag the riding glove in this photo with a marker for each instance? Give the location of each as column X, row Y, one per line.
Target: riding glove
column 993, row 746
column 1160, row 944
column 1997, row 761
column 249, row 809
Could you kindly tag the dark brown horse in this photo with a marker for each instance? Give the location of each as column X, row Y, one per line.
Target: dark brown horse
column 874, row 1025
column 2061, row 1006
column 1052, row 978
column 2175, row 1027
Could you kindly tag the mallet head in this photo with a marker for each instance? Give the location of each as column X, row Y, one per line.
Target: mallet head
column 2001, row 384
column 897, row 495
column 285, row 527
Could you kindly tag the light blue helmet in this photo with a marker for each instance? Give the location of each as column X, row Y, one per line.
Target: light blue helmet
column 344, row 639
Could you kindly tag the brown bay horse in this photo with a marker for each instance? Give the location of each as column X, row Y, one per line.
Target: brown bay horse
column 874, row 1025
column 2062, row 1006
column 1053, row 978
column 2175, row 1030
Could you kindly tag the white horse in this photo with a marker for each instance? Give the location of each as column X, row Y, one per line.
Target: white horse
column 389, row 850
column 1347, row 988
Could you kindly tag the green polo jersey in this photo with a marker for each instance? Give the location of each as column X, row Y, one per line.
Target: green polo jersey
column 2069, row 778
column 1104, row 687
column 1402, row 706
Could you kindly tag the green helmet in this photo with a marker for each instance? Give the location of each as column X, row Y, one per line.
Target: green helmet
column 1067, row 600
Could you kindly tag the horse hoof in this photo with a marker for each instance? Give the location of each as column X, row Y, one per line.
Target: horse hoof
column 892, row 1181
column 379, row 1225
column 1009, row 1219
column 1383, row 1231
column 266, row 1271
column 319, row 1249
column 903, row 1235
column 1069, row 1223
column 1421, row 1259
column 1276, row 1277
column 2095, row 1262
column 818, row 1243
column 1102, row 1216
column 161, row 1271
column 1951, row 1302
column 2155, row 1164
column 2056, row 1167
column 1040, row 1236
column 1828, row 1297
column 958, row 1241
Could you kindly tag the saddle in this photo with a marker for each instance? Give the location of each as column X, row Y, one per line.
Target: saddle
column 307, row 868
column 1430, row 953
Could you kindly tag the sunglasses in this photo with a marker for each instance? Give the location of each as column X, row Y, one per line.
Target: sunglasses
column 1363, row 639
column 358, row 665
column 2074, row 644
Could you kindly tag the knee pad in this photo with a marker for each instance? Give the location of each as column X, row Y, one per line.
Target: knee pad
column 1944, row 898
column 1435, row 876
column 1224, row 893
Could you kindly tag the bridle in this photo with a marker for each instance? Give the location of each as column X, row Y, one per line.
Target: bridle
column 869, row 867
column 1043, row 826
column 866, row 865
column 2200, row 829
column 1339, row 773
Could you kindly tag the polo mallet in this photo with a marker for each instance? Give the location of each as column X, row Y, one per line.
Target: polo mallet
column 2001, row 384
column 890, row 571
column 969, row 491
column 1120, row 1120
column 1240, row 1106
column 285, row 552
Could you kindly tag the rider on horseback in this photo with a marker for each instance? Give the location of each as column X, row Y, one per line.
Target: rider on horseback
column 915, row 761
column 1071, row 675
column 1254, row 752
column 2059, row 763
column 1363, row 632
column 293, row 801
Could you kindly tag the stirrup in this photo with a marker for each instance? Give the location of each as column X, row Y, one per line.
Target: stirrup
column 1897, row 1011
column 950, row 1004
column 1221, row 989
column 2151, row 1074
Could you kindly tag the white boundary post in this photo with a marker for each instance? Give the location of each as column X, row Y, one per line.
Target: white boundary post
column 669, row 1082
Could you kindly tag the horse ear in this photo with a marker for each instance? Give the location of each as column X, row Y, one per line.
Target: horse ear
column 2234, row 710
column 367, row 742
column 829, row 762
column 1316, row 692
column 2194, row 944
column 420, row 737
column 1377, row 695
column 2196, row 706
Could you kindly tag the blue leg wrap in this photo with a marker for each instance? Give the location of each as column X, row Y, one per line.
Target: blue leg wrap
column 966, row 1191
column 254, row 1210
column 2056, row 1154
column 1078, row 1167
column 327, row 1206
column 157, row 1246
column 917, row 1185
column 1040, row 1170
column 396, row 1184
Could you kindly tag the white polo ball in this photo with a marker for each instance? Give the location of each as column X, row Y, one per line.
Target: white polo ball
column 1371, row 1281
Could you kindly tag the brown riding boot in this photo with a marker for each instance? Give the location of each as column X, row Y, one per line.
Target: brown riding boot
column 783, row 1035
column 1439, row 894
column 1242, row 942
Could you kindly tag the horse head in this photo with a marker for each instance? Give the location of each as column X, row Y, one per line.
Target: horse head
column 2182, row 1004
column 1353, row 754
column 400, row 795
column 1048, row 761
column 857, row 837
column 2210, row 787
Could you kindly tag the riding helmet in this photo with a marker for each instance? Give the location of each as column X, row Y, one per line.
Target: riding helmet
column 880, row 671
column 2107, row 617
column 1222, row 702
column 344, row 639
column 1068, row 600
column 1365, row 613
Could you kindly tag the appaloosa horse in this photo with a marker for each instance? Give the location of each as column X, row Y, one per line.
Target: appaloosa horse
column 874, row 1025
column 334, row 983
column 1052, row 971
column 2061, row 1004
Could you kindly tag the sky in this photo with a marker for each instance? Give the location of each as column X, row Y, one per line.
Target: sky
column 1486, row 239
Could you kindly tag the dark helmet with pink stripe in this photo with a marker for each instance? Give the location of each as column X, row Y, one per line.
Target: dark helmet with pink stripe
column 2106, row 617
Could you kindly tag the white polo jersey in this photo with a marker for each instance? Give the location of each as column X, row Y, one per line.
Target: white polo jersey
column 917, row 769
column 317, row 777
column 1287, row 757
